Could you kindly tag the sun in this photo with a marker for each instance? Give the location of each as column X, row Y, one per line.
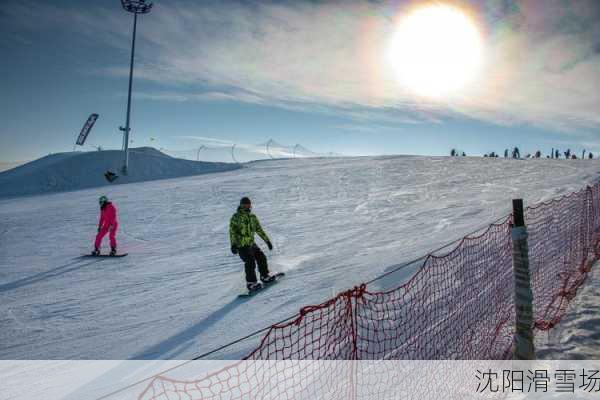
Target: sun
column 436, row 51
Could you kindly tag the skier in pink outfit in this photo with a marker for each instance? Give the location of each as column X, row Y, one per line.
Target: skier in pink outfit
column 108, row 224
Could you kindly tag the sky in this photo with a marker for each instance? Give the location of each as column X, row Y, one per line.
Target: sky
column 299, row 72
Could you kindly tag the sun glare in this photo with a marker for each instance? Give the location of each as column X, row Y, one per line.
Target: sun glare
column 436, row 51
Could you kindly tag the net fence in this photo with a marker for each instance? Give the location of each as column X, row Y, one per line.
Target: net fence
column 562, row 247
column 241, row 152
column 450, row 309
column 458, row 305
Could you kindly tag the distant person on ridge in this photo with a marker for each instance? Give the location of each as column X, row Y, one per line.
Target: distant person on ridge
column 108, row 223
column 242, row 227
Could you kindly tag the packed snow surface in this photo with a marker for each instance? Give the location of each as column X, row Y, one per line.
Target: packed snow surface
column 78, row 170
column 334, row 223
column 577, row 336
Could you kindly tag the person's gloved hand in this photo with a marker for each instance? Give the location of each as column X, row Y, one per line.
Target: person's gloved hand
column 98, row 229
column 270, row 246
column 234, row 250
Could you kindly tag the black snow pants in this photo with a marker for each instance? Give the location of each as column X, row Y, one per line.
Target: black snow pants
column 252, row 255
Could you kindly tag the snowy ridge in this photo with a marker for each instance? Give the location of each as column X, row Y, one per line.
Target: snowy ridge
column 241, row 152
column 5, row 166
column 80, row 170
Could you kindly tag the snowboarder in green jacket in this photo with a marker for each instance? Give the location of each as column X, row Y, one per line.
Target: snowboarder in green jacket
column 242, row 227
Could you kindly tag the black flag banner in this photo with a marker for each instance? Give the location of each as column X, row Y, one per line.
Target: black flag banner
column 86, row 129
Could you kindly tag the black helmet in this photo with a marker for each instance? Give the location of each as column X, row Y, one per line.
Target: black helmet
column 245, row 200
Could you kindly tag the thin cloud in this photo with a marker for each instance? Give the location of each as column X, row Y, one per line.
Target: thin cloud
column 209, row 96
column 542, row 63
column 369, row 128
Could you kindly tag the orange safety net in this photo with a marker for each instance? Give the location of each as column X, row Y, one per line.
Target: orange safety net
column 458, row 305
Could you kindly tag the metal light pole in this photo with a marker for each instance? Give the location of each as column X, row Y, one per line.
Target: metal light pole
column 136, row 7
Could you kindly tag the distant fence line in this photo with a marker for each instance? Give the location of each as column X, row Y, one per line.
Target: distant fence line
column 458, row 305
column 237, row 152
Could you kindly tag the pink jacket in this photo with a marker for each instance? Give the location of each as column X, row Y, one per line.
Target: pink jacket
column 108, row 216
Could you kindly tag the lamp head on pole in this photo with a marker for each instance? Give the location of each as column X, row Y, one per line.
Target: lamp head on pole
column 136, row 6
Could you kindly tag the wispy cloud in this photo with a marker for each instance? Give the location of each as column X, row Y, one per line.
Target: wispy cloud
column 210, row 96
column 542, row 64
column 366, row 128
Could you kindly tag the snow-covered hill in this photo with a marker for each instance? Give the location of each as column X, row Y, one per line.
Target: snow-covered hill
column 80, row 170
column 334, row 223
column 5, row 166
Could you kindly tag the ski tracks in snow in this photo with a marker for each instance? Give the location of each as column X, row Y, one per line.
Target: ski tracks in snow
column 334, row 224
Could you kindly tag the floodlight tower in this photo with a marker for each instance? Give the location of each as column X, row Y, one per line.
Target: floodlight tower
column 136, row 7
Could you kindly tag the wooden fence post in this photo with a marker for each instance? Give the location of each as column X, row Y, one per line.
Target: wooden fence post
column 523, row 341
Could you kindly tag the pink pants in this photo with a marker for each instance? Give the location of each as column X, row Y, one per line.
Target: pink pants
column 112, row 230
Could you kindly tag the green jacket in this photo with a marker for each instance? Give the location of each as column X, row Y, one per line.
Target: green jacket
column 243, row 226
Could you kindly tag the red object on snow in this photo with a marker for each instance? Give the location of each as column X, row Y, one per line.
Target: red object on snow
column 108, row 223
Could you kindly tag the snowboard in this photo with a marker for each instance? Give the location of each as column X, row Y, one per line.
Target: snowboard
column 277, row 277
column 105, row 255
column 110, row 176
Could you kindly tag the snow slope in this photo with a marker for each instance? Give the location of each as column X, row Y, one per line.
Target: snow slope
column 577, row 337
column 78, row 170
column 5, row 166
column 334, row 224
